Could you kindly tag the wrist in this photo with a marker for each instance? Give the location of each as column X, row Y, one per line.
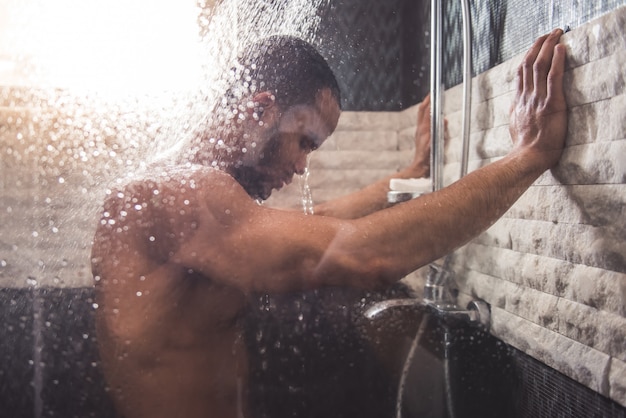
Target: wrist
column 527, row 163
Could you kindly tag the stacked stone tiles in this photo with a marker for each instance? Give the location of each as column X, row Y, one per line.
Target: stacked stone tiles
column 554, row 267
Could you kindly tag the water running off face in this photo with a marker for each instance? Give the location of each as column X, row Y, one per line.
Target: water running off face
column 305, row 191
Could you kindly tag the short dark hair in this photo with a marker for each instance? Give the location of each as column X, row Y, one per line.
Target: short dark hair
column 291, row 68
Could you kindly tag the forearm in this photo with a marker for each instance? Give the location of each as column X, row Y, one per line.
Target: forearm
column 415, row 233
column 437, row 223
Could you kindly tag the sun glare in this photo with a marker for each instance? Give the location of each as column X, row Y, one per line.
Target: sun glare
column 111, row 47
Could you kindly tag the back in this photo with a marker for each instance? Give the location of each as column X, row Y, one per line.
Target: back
column 168, row 336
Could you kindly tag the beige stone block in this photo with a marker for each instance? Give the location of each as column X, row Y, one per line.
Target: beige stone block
column 501, row 105
column 29, row 266
column 596, row 122
column 496, row 81
column 491, row 143
column 358, row 160
column 603, row 331
column 371, row 121
column 525, row 302
column 597, row 163
column 577, row 46
column 583, row 364
column 598, row 288
column 325, row 194
column 362, row 140
column 613, row 332
column 595, row 81
column 606, row 34
column 499, row 80
column 595, row 204
column 407, row 117
column 352, row 178
column 617, row 381
column 482, row 116
column 582, row 244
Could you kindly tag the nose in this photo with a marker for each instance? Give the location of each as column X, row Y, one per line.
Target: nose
column 301, row 164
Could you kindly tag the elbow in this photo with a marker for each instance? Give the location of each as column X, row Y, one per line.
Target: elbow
column 363, row 272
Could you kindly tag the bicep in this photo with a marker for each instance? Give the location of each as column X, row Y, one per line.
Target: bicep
column 257, row 248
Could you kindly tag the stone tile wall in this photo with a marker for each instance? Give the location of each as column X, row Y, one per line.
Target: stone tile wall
column 554, row 267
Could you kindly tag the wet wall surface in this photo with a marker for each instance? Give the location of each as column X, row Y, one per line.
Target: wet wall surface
column 311, row 354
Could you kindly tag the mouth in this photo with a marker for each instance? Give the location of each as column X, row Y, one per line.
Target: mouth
column 283, row 181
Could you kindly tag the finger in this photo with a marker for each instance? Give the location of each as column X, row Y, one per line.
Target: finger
column 525, row 71
column 543, row 63
column 555, row 77
column 423, row 108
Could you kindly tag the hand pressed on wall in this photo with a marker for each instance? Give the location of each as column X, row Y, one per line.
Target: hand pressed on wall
column 538, row 115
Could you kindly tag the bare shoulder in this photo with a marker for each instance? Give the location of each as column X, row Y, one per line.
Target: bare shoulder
column 152, row 216
column 168, row 191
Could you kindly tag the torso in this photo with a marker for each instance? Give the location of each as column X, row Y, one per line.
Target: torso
column 169, row 338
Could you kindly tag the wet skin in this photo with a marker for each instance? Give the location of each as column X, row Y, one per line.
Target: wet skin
column 178, row 252
column 169, row 335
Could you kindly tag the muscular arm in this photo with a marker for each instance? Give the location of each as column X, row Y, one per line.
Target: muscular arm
column 374, row 197
column 225, row 236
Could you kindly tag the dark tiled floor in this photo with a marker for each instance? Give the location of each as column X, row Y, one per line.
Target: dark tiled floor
column 73, row 386
column 16, row 353
column 309, row 358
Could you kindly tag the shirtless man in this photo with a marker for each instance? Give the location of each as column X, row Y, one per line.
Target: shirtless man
column 178, row 251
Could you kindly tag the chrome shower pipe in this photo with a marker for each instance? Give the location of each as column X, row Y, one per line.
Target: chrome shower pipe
column 437, row 286
column 467, row 83
column 436, row 98
column 436, row 90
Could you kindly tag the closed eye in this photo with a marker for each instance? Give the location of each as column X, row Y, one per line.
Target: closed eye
column 308, row 144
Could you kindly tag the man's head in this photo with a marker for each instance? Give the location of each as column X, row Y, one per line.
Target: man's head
column 292, row 104
column 292, row 69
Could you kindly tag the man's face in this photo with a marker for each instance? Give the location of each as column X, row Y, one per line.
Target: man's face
column 287, row 141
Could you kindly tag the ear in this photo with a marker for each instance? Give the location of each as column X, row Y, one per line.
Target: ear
column 264, row 99
column 264, row 106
